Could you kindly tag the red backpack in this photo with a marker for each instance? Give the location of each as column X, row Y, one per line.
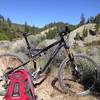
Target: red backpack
column 20, row 86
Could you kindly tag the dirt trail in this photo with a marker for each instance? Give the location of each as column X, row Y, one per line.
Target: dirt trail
column 47, row 92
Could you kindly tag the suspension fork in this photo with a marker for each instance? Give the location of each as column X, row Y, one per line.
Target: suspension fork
column 71, row 57
column 75, row 70
column 70, row 54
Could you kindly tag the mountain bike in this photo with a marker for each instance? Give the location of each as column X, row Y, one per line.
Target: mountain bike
column 76, row 66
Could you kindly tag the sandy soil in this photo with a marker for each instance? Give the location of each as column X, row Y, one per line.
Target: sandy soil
column 47, row 92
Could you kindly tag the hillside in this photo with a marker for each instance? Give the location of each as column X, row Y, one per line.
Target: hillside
column 88, row 38
column 10, row 30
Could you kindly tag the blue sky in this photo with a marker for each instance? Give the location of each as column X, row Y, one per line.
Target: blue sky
column 41, row 12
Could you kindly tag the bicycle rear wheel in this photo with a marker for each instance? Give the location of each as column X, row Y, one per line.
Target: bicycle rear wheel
column 7, row 61
column 87, row 70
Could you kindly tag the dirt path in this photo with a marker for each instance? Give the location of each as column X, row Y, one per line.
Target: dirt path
column 47, row 92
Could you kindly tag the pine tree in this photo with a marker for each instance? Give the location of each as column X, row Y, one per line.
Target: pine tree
column 33, row 30
column 97, row 21
column 26, row 27
column 88, row 21
column 85, row 32
column 82, row 22
column 91, row 19
column 9, row 22
column 2, row 18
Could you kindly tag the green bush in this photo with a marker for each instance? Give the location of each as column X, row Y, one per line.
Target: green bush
column 85, row 33
column 3, row 36
column 51, row 34
column 77, row 37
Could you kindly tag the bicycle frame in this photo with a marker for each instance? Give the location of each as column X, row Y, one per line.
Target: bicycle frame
column 61, row 43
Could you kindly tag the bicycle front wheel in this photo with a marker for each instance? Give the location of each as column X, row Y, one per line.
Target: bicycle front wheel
column 7, row 61
column 87, row 69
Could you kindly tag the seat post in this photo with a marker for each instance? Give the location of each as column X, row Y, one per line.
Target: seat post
column 27, row 42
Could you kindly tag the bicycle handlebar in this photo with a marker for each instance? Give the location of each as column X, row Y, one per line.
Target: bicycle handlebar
column 25, row 33
column 64, row 32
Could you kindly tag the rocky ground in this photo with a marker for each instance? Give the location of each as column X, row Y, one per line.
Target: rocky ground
column 47, row 92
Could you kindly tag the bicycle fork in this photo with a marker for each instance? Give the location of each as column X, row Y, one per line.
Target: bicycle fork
column 75, row 71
